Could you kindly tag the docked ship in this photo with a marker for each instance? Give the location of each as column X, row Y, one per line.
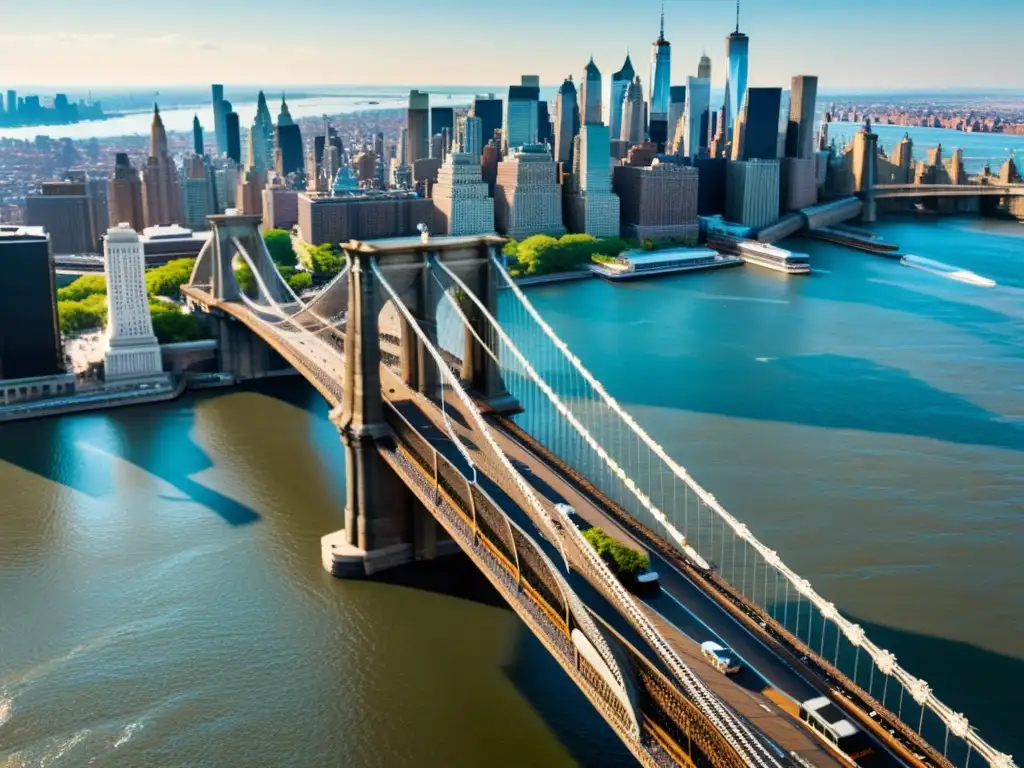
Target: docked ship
column 765, row 255
column 634, row 264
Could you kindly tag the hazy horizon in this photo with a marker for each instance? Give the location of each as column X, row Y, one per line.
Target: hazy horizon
column 852, row 45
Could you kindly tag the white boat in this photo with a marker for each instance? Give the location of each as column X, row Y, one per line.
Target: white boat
column 633, row 264
column 947, row 270
column 768, row 256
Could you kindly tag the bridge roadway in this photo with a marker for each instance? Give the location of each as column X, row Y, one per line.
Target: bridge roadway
column 891, row 191
column 766, row 692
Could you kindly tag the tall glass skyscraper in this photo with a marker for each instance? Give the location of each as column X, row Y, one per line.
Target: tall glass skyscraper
column 620, row 83
column 737, row 47
column 661, row 76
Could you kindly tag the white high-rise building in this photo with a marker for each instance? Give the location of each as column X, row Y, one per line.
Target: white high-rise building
column 133, row 352
column 527, row 196
column 633, row 113
column 595, row 208
column 460, row 196
column 696, row 116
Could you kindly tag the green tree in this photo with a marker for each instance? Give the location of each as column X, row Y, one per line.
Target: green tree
column 325, row 259
column 279, row 244
column 83, row 287
column 510, row 249
column 87, row 314
column 172, row 325
column 245, row 279
column 623, row 560
column 167, row 280
column 300, row 281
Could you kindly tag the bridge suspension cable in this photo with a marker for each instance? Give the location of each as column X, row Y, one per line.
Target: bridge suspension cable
column 615, row 449
column 579, row 612
column 732, row 727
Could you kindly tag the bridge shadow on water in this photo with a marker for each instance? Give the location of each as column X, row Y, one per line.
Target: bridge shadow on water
column 827, row 391
column 984, row 685
column 530, row 668
column 81, row 452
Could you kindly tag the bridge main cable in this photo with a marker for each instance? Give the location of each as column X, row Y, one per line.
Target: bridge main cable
column 731, row 726
column 885, row 661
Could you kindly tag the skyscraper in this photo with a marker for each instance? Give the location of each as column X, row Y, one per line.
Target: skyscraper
column 594, row 208
column 124, row 194
column 661, row 76
column 567, row 123
column 737, row 47
column 620, row 82
column 696, row 116
column 63, row 211
column 677, row 101
column 197, row 192
column 752, row 193
column 261, row 137
column 760, row 135
column 460, row 197
column 197, row 135
column 418, row 123
column 633, row 113
column 220, row 115
column 440, row 119
column 803, row 94
column 491, row 113
column 133, row 353
column 590, row 95
column 527, row 198
column 233, row 136
column 521, row 114
column 545, row 130
column 287, row 143
column 29, row 331
column 161, row 198
column 472, row 137
column 659, row 200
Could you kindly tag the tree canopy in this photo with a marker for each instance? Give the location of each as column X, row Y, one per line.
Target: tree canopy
column 543, row 254
column 620, row 558
column 279, row 244
column 171, row 325
column 167, row 280
column 83, row 287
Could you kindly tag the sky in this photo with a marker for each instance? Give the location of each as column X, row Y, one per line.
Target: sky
column 849, row 44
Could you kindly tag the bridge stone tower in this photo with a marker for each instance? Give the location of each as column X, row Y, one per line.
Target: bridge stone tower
column 384, row 525
column 865, row 164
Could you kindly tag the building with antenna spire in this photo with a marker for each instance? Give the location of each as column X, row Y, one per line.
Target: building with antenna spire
column 661, row 76
column 737, row 48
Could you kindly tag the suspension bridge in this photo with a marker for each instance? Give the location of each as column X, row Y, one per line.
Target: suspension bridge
column 466, row 422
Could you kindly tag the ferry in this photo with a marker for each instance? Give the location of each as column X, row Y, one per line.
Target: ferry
column 634, row 264
column 766, row 255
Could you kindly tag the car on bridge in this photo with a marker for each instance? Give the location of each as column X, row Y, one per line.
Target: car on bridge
column 720, row 657
column 828, row 721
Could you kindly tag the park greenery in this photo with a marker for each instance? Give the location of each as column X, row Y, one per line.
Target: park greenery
column 625, row 562
column 296, row 279
column 545, row 255
column 325, row 259
column 82, row 305
column 279, row 244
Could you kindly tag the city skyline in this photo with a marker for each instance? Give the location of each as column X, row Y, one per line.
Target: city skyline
column 81, row 48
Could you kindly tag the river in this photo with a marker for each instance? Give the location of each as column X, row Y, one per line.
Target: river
column 162, row 601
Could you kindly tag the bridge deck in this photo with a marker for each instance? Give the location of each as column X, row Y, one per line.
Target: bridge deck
column 785, row 731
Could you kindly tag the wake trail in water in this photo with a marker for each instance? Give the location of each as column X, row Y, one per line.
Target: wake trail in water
column 720, row 297
column 948, row 271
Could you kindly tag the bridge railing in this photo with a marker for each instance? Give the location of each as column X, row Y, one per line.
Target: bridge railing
column 672, row 724
column 568, row 410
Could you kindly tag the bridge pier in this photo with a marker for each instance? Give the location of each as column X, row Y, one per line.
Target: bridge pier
column 385, row 525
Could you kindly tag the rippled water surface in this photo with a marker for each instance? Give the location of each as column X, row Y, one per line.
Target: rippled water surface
column 162, row 601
